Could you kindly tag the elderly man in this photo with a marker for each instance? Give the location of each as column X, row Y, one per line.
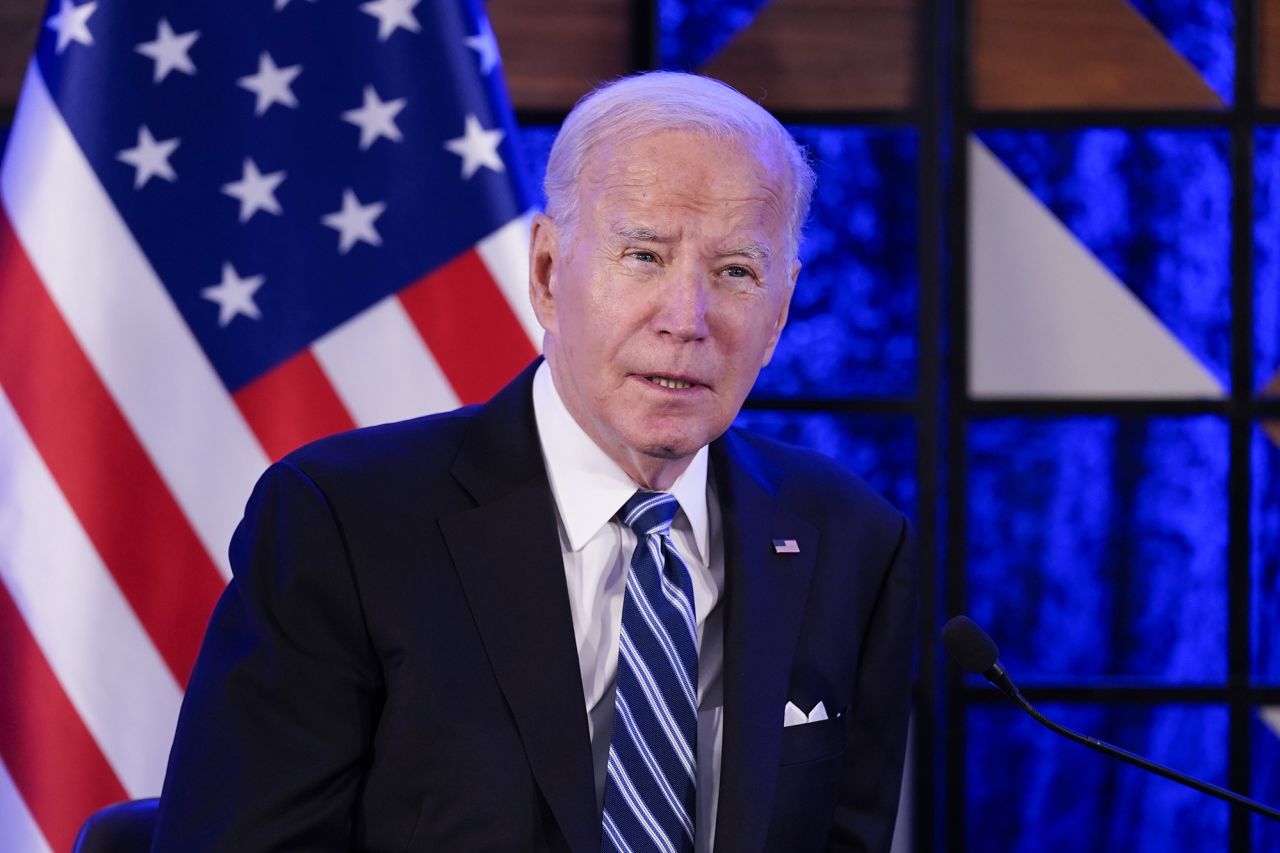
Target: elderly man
column 586, row 615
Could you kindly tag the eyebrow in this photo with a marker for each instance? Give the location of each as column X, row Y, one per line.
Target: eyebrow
column 754, row 251
column 639, row 232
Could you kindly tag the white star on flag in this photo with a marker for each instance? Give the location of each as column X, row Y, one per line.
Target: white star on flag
column 477, row 147
column 170, row 51
column 355, row 221
column 72, row 24
column 150, row 158
column 392, row 14
column 280, row 4
column 234, row 295
column 255, row 191
column 484, row 44
column 377, row 118
column 271, row 84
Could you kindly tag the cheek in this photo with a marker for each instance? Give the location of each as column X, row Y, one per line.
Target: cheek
column 591, row 335
column 747, row 324
column 611, row 317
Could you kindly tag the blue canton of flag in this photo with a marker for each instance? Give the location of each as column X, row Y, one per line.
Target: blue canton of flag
column 288, row 164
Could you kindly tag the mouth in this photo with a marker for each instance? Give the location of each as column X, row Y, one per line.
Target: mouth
column 669, row 383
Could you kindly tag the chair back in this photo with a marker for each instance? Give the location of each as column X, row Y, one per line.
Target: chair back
column 121, row 828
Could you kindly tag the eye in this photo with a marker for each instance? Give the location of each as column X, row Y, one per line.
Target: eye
column 738, row 272
column 645, row 256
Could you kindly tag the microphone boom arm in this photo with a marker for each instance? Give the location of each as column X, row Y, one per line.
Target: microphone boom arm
column 1124, row 755
column 970, row 646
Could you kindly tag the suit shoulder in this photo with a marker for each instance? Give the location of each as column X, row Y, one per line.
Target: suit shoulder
column 812, row 483
column 416, row 446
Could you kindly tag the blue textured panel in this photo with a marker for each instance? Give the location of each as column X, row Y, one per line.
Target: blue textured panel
column 852, row 330
column 880, row 449
column 1264, row 756
column 1154, row 206
column 1266, row 259
column 1097, row 547
column 690, row 33
column 1203, row 31
column 1265, row 527
column 1031, row 790
column 535, row 144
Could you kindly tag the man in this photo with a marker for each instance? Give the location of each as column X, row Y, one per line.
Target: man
column 582, row 616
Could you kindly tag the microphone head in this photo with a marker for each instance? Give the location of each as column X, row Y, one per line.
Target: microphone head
column 969, row 645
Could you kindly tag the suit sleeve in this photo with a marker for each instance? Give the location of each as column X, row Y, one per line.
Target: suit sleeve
column 280, row 711
column 872, row 776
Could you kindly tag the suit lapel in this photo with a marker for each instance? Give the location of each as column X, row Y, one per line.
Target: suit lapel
column 507, row 555
column 765, row 595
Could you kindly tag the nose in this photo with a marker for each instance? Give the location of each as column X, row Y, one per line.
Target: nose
column 682, row 312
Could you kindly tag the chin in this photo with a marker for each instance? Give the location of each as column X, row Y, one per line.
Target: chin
column 671, row 447
column 671, row 438
column 669, row 452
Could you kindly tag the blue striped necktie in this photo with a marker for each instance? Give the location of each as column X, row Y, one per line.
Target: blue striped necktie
column 649, row 789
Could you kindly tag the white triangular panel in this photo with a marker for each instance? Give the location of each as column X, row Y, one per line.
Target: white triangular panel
column 1270, row 716
column 1047, row 318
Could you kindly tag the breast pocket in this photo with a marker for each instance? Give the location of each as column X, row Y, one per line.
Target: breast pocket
column 811, row 759
column 814, row 741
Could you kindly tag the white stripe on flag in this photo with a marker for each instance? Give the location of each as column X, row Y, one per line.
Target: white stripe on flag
column 126, row 322
column 380, row 367
column 505, row 253
column 18, row 829
column 100, row 653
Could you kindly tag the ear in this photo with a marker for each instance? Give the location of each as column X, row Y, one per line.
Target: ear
column 783, row 311
column 544, row 265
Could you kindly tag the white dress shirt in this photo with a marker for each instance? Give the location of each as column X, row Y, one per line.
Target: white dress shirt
column 589, row 489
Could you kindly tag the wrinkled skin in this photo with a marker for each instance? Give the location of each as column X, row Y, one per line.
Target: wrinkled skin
column 676, row 269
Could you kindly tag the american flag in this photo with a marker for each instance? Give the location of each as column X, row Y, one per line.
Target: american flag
column 225, row 229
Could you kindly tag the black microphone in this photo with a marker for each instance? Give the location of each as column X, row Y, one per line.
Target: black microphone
column 970, row 646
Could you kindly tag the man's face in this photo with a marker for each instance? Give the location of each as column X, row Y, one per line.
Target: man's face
column 667, row 295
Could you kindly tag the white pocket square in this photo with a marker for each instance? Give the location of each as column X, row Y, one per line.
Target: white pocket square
column 793, row 716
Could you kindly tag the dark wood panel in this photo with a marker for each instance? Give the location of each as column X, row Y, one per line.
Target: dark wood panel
column 813, row 55
column 1271, row 388
column 554, row 52
column 19, row 21
column 1272, row 430
column 1269, row 53
column 1077, row 54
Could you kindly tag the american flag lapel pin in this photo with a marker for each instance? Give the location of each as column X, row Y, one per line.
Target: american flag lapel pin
column 786, row 546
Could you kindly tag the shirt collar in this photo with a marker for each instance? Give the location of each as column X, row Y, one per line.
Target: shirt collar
column 589, row 488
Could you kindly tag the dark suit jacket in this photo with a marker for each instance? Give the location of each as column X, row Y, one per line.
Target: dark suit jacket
column 393, row 666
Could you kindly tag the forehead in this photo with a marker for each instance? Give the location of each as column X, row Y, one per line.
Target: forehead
column 671, row 171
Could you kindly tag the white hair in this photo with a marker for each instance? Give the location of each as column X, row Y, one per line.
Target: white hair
column 637, row 106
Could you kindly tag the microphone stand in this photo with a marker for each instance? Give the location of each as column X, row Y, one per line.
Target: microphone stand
column 997, row 676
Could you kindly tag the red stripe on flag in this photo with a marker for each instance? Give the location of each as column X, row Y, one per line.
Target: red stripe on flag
column 292, row 404
column 116, row 492
column 52, row 757
column 469, row 327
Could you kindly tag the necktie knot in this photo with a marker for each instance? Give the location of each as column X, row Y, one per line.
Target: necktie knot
column 649, row 512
